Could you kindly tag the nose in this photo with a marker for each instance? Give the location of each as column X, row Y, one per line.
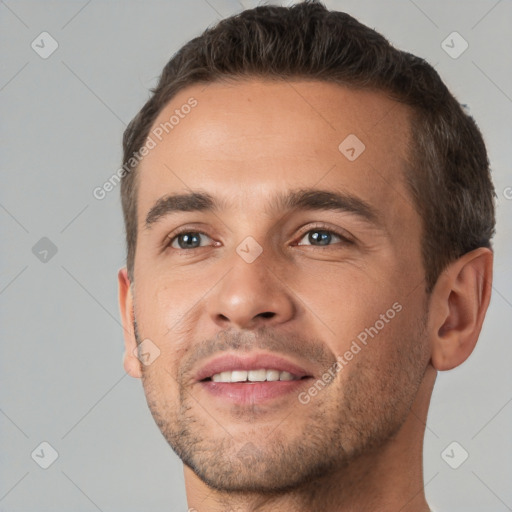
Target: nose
column 251, row 295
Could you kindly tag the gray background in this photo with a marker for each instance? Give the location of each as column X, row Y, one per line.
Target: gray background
column 61, row 378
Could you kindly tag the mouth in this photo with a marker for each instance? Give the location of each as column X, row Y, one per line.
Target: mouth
column 256, row 367
column 260, row 375
column 245, row 379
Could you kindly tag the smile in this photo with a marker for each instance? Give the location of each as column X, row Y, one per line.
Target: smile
column 261, row 375
column 249, row 379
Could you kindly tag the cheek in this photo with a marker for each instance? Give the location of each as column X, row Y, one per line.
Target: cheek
column 161, row 390
column 162, row 302
column 348, row 303
column 164, row 314
column 384, row 361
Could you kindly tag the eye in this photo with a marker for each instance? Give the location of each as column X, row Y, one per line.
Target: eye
column 322, row 237
column 187, row 240
column 317, row 237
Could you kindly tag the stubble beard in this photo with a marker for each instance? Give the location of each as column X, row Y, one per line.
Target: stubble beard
column 356, row 415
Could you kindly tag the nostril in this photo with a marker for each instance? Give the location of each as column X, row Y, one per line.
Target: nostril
column 268, row 314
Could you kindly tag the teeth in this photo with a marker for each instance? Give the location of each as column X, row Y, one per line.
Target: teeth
column 273, row 375
column 285, row 376
column 261, row 375
column 257, row 375
column 239, row 376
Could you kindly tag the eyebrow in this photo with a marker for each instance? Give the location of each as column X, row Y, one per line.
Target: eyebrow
column 302, row 199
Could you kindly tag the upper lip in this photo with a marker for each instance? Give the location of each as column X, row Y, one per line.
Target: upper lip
column 231, row 362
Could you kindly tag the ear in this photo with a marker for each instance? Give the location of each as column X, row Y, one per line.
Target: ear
column 458, row 305
column 131, row 363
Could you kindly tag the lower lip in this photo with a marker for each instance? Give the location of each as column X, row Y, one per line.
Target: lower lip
column 250, row 393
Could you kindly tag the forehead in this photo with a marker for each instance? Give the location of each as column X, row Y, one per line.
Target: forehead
column 247, row 139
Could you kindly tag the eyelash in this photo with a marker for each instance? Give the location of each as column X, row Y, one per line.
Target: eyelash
column 171, row 238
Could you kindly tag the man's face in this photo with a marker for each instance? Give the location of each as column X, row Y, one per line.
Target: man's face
column 266, row 287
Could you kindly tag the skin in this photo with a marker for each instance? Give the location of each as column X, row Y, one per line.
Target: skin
column 357, row 444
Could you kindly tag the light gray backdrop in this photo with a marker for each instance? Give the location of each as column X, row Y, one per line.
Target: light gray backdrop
column 61, row 378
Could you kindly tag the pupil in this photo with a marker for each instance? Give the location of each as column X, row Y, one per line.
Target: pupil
column 186, row 240
column 323, row 237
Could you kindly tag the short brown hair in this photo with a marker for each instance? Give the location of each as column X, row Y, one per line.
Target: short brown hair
column 449, row 178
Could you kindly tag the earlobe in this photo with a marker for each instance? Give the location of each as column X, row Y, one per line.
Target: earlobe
column 458, row 305
column 131, row 364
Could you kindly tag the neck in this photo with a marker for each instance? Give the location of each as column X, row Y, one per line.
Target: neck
column 387, row 479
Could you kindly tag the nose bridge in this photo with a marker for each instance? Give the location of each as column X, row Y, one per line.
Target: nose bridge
column 251, row 294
